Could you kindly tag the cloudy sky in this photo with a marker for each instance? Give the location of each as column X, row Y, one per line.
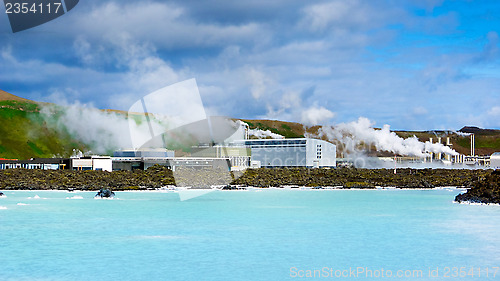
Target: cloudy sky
column 416, row 64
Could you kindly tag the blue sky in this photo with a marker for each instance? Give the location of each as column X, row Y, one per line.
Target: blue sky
column 414, row 65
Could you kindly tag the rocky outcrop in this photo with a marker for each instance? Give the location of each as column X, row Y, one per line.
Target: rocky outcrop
column 105, row 193
column 484, row 190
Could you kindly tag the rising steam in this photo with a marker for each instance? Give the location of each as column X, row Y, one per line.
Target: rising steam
column 261, row 134
column 103, row 131
column 360, row 135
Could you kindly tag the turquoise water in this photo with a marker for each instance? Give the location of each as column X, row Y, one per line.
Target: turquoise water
column 246, row 235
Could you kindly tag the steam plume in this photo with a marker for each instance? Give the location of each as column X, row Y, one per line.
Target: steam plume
column 358, row 133
column 261, row 134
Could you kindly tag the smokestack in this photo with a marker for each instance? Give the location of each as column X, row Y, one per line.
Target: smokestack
column 448, row 141
column 439, row 140
column 432, row 154
column 472, row 144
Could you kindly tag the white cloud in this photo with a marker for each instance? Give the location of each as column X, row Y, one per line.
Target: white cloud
column 260, row 83
column 166, row 25
column 368, row 58
column 339, row 14
column 420, row 110
column 316, row 116
column 494, row 111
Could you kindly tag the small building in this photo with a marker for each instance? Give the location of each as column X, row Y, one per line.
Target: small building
column 37, row 163
column 140, row 159
column 97, row 163
column 495, row 160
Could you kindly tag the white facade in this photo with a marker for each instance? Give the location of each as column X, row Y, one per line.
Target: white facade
column 301, row 152
column 320, row 153
column 102, row 163
column 495, row 160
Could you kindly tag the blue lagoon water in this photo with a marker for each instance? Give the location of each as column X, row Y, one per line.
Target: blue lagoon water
column 246, row 235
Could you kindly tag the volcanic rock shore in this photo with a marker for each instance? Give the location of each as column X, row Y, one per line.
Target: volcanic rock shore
column 361, row 178
column 22, row 179
column 483, row 183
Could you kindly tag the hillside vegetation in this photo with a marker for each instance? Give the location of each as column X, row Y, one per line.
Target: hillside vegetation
column 25, row 134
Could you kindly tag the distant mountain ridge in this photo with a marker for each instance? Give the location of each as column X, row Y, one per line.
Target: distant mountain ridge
column 478, row 131
column 4, row 96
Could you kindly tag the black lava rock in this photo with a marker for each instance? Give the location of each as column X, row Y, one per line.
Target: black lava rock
column 105, row 193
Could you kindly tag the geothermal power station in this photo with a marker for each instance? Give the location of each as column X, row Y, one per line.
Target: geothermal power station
column 241, row 154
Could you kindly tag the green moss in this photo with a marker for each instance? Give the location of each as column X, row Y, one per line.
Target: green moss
column 285, row 126
column 487, row 142
column 284, row 130
column 464, row 142
column 35, row 148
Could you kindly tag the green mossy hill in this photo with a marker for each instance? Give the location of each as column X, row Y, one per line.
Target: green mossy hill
column 359, row 178
column 485, row 190
column 25, row 134
column 22, row 179
column 286, row 129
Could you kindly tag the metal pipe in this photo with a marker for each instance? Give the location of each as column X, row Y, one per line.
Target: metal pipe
column 472, row 144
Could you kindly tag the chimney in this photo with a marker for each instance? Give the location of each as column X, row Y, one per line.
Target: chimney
column 472, row 144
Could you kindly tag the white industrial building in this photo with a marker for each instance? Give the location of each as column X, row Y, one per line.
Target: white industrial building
column 300, row 152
